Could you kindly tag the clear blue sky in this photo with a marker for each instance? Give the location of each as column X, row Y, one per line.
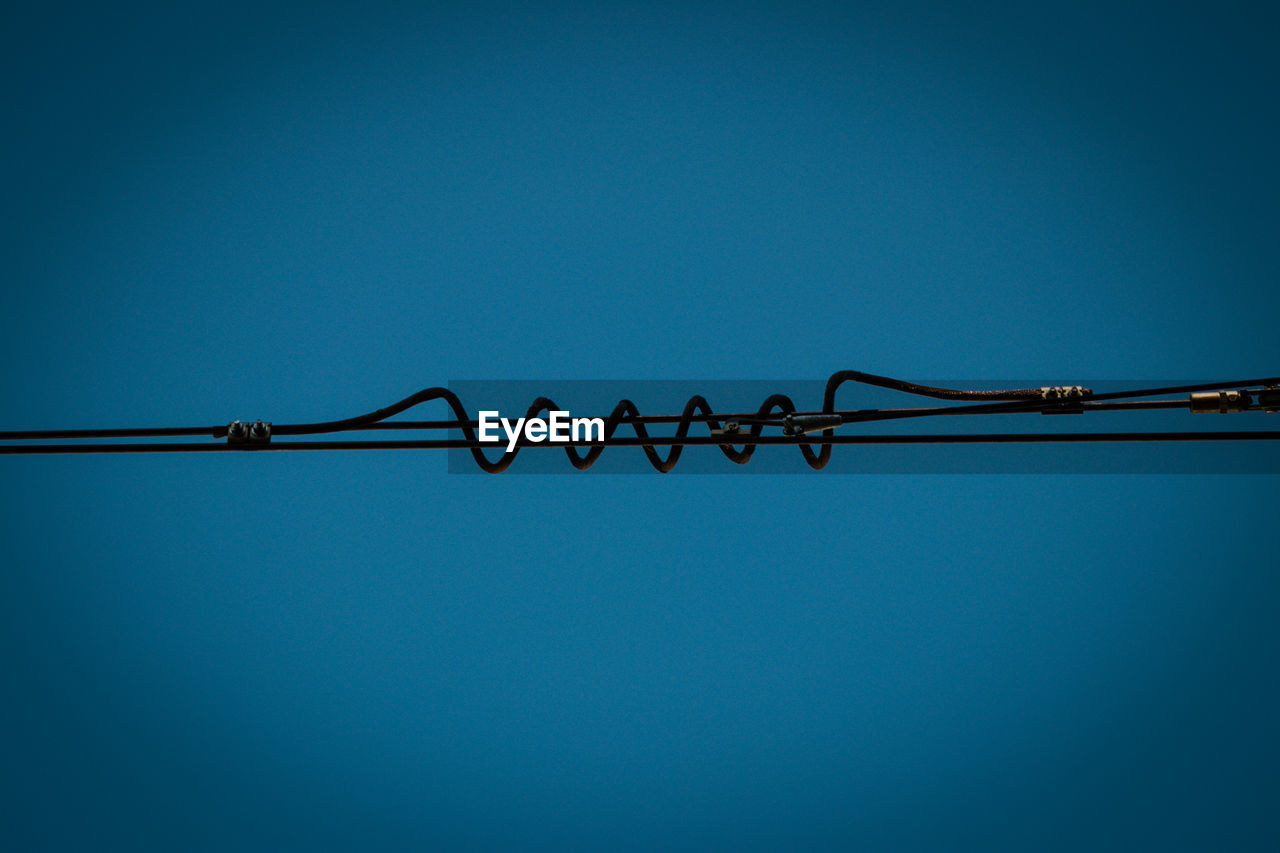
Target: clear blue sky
column 298, row 213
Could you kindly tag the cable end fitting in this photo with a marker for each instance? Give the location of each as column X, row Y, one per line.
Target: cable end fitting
column 796, row 425
column 1219, row 402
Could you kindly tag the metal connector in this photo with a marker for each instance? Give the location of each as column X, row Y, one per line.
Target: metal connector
column 1219, row 402
column 1269, row 398
column 1067, row 399
column 805, row 424
column 241, row 433
column 729, row 430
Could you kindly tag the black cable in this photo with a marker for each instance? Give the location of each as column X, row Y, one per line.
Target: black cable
column 930, row 391
column 212, row 431
column 1027, row 400
column 828, row 401
column 1031, row 404
column 674, row 441
column 1044, row 405
column 750, row 418
column 850, row 415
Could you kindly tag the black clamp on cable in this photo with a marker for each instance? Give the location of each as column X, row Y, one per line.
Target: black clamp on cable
column 1269, row 398
column 242, row 434
column 1066, row 399
column 797, row 425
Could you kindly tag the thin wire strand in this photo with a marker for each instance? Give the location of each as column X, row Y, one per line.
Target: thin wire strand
column 662, row 441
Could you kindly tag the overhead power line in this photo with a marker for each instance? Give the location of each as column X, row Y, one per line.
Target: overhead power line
column 736, row 434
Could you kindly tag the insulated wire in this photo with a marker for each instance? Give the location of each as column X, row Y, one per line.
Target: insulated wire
column 675, row 442
column 697, row 409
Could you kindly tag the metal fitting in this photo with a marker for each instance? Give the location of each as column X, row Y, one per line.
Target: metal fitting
column 805, row 424
column 241, row 433
column 1066, row 399
column 1065, row 392
column 1219, row 402
column 1269, row 398
column 730, row 428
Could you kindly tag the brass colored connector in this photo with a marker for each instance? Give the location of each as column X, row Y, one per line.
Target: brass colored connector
column 1219, row 402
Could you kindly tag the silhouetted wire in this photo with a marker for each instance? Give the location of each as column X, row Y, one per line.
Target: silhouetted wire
column 665, row 441
column 220, row 430
column 770, row 413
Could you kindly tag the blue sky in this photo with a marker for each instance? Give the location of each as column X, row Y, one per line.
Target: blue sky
column 307, row 212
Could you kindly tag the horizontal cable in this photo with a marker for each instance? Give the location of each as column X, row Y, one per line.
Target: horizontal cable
column 749, row 418
column 138, row 432
column 658, row 441
column 850, row 415
column 772, row 412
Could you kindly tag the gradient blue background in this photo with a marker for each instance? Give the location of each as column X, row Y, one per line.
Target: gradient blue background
column 298, row 213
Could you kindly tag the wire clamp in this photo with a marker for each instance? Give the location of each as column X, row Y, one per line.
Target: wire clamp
column 1067, row 399
column 1065, row 392
column 1269, row 398
column 797, row 425
column 729, row 430
column 257, row 433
